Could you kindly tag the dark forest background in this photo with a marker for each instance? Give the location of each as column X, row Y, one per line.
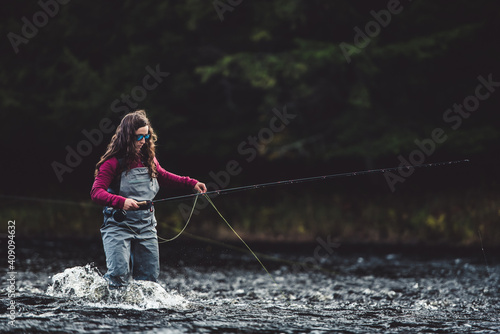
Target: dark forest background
column 362, row 84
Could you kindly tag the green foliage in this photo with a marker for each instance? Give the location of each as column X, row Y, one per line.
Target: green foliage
column 227, row 76
column 276, row 53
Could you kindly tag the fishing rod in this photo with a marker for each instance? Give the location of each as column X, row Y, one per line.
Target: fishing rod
column 310, row 179
column 120, row 215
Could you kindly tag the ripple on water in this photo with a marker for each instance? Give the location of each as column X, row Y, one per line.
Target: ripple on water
column 393, row 293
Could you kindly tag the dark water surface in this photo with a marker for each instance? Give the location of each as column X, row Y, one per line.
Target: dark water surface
column 215, row 289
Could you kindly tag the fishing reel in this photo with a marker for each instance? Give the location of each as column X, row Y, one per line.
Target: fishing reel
column 119, row 215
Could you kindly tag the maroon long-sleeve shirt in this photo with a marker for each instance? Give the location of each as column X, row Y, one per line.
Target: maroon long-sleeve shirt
column 107, row 172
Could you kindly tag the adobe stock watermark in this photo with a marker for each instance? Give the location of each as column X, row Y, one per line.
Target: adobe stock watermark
column 29, row 29
column 372, row 29
column 222, row 6
column 93, row 138
column 11, row 273
column 248, row 149
column 453, row 116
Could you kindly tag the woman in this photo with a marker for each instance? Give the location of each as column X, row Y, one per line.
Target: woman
column 129, row 173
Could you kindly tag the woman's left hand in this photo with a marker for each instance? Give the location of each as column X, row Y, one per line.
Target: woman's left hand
column 200, row 187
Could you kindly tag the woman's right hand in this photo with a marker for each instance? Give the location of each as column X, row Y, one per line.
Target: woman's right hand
column 130, row 204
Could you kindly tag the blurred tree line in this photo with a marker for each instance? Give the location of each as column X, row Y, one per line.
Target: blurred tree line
column 362, row 79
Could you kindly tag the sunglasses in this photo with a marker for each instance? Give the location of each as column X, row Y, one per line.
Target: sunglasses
column 139, row 137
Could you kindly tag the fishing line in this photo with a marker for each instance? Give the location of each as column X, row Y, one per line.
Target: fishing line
column 232, row 229
column 271, row 258
column 261, row 255
column 49, row 200
column 484, row 253
column 163, row 240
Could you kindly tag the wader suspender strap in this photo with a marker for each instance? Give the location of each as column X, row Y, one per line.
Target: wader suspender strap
column 115, row 184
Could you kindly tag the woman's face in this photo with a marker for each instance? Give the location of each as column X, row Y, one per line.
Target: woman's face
column 141, row 131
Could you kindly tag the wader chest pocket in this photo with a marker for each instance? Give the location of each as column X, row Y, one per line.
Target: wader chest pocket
column 141, row 180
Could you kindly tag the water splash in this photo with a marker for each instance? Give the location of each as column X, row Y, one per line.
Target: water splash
column 87, row 284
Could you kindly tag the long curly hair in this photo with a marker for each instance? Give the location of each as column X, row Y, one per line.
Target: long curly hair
column 123, row 143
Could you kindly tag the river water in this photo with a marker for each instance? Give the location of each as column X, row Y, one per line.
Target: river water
column 209, row 288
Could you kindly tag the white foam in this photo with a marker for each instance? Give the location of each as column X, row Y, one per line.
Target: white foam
column 87, row 284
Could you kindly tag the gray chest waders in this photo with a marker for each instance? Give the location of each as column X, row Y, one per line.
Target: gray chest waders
column 131, row 245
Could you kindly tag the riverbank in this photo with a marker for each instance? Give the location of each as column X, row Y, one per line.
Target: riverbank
column 285, row 215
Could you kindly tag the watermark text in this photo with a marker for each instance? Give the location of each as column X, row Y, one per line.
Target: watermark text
column 93, row 138
column 11, row 273
column 453, row 116
column 30, row 28
column 249, row 150
column 222, row 6
column 372, row 29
